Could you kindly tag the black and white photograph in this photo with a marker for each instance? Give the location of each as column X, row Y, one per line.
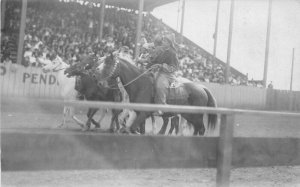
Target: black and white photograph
column 150, row 93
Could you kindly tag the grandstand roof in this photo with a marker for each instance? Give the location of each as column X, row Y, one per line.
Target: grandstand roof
column 149, row 5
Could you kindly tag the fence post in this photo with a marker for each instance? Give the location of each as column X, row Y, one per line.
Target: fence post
column 224, row 152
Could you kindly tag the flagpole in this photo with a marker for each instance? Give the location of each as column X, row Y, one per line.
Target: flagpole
column 267, row 45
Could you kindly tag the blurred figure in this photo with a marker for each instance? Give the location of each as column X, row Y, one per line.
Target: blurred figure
column 270, row 85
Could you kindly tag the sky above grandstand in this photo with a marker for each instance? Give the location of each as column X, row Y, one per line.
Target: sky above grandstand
column 248, row 37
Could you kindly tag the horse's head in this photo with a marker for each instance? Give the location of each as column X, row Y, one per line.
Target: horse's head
column 106, row 68
column 74, row 70
column 82, row 67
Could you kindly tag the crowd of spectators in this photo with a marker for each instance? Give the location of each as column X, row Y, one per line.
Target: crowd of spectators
column 71, row 30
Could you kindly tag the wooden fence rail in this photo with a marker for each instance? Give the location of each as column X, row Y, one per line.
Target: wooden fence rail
column 225, row 141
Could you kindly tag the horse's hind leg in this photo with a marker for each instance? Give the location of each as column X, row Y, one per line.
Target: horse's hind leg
column 181, row 125
column 142, row 128
column 174, row 125
column 202, row 128
column 153, row 124
column 197, row 121
column 164, row 126
column 199, row 126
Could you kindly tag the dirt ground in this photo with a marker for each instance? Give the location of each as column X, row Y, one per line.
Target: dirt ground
column 283, row 176
column 30, row 115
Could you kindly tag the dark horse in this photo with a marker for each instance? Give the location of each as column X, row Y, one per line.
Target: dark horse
column 93, row 91
column 90, row 90
column 139, row 87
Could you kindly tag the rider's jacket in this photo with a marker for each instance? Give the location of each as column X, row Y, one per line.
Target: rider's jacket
column 165, row 55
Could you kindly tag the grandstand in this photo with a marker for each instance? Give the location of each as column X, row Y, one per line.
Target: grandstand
column 71, row 29
column 32, row 103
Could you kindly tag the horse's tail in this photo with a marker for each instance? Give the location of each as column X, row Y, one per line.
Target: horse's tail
column 212, row 118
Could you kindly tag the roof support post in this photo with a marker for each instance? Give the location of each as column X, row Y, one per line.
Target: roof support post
column 182, row 21
column 3, row 9
column 227, row 72
column 139, row 29
column 216, row 31
column 22, row 31
column 267, row 44
column 102, row 14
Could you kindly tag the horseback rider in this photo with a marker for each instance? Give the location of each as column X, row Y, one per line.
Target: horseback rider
column 165, row 58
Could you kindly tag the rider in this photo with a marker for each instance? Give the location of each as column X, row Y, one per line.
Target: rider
column 166, row 58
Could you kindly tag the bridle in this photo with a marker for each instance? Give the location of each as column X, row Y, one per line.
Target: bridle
column 113, row 71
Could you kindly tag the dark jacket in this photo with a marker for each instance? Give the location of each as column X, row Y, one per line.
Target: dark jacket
column 163, row 55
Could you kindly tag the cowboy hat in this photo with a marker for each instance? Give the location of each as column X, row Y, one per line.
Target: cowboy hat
column 170, row 37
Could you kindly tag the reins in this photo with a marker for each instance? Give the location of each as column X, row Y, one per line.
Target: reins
column 133, row 80
column 149, row 69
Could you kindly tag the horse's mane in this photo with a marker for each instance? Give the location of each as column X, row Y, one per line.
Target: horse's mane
column 130, row 62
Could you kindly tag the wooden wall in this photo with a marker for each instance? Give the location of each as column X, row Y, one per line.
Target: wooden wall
column 16, row 80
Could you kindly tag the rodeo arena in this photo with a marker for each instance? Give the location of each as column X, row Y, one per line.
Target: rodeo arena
column 104, row 93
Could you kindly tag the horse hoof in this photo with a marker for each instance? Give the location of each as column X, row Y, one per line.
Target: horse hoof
column 110, row 130
column 84, row 129
column 97, row 126
column 124, row 131
column 60, row 126
column 135, row 132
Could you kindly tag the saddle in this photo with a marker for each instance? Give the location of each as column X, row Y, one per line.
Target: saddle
column 177, row 94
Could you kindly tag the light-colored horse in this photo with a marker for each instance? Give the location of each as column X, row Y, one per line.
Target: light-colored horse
column 66, row 85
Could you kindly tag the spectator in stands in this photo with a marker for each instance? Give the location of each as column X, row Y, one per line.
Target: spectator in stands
column 270, row 85
column 7, row 60
column 70, row 30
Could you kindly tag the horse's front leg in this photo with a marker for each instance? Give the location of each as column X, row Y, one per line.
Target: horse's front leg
column 132, row 116
column 71, row 112
column 102, row 115
column 93, row 112
column 90, row 115
column 114, row 122
column 63, row 123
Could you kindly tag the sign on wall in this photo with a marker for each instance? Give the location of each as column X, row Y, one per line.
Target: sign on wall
column 17, row 80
